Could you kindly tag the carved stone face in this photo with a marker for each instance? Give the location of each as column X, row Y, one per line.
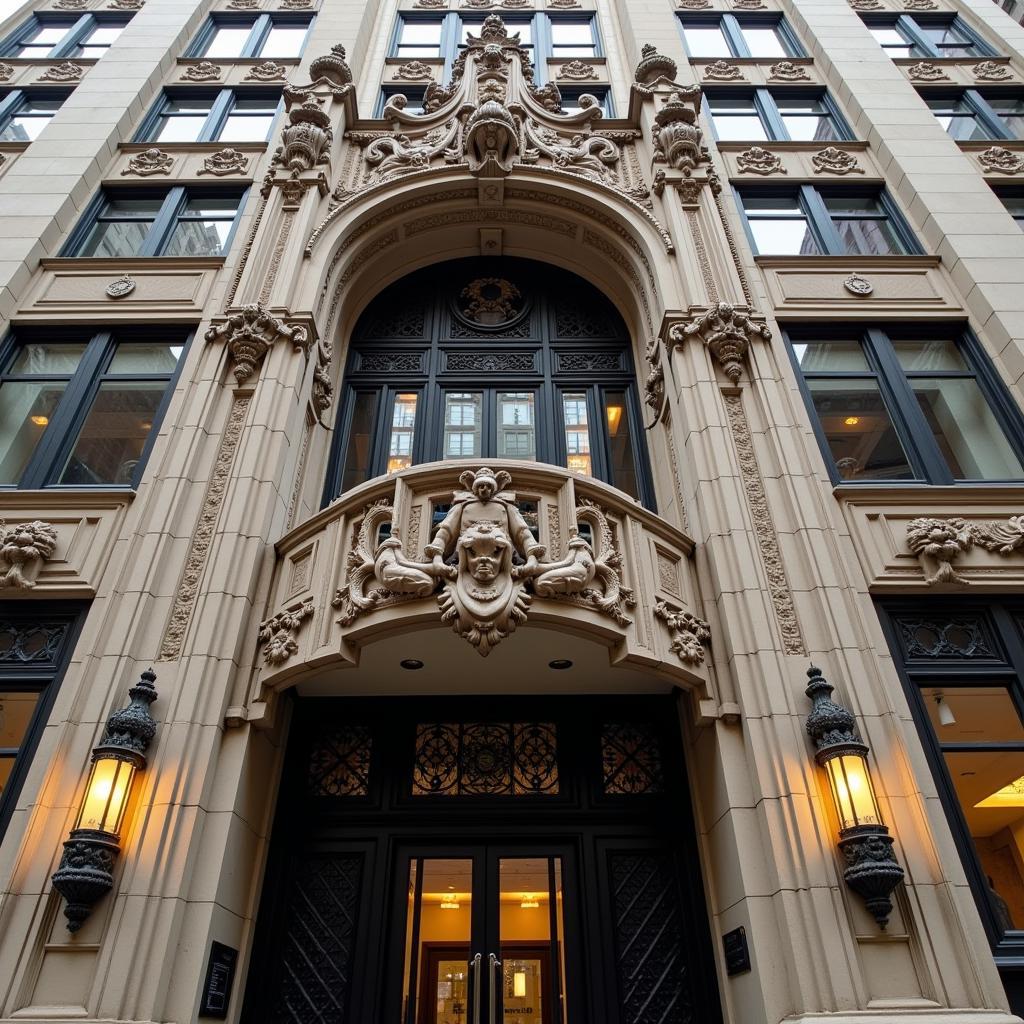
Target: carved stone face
column 483, row 488
column 485, row 549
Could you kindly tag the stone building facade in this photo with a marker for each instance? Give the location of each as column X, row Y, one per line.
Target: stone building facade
column 480, row 433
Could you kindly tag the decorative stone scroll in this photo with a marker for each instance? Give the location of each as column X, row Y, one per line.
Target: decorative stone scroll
column 727, row 332
column 990, row 71
column 204, row 71
column 268, row 71
column 759, row 160
column 723, row 71
column 998, row 158
column 225, row 161
column 937, row 543
column 925, row 71
column 689, row 634
column 278, row 634
column 68, row 71
column 152, row 161
column 487, row 563
column 24, row 547
column 576, row 71
column 250, row 333
column 835, row 161
column 787, row 71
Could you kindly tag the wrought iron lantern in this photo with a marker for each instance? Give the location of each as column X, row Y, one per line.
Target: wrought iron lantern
column 85, row 874
column 872, row 870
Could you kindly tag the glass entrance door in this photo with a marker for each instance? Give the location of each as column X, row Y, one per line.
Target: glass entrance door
column 485, row 935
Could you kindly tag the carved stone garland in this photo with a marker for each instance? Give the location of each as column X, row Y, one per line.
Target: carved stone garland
column 250, row 333
column 759, row 160
column 689, row 633
column 939, row 542
column 152, row 161
column 727, row 332
column 24, row 547
column 487, row 563
column 278, row 634
column 835, row 161
column 998, row 158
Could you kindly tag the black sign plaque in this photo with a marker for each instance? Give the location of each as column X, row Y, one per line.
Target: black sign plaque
column 220, row 975
column 737, row 956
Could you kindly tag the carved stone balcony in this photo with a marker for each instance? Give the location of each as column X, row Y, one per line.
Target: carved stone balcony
column 520, row 562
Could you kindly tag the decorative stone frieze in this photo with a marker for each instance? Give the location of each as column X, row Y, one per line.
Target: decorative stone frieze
column 727, row 332
column 689, row 634
column 24, row 547
column 940, row 542
column 204, row 71
column 278, row 634
column 835, row 161
column 412, row 71
column 225, row 161
column 68, row 71
column 758, row 160
column 268, row 71
column 723, row 71
column 998, row 158
column 249, row 335
column 925, row 71
column 787, row 71
column 990, row 71
column 152, row 161
column 576, row 71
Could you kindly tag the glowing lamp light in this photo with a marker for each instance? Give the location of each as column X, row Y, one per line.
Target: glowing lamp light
column 85, row 873
column 872, row 870
column 529, row 903
column 852, row 421
column 1011, row 795
column 519, row 985
column 40, row 421
column 450, row 903
column 614, row 418
column 579, row 464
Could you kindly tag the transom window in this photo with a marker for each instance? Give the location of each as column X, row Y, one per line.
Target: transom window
column 731, row 35
column 775, row 115
column 45, row 36
column 805, row 220
column 158, row 222
column 907, row 404
column 24, row 114
column 506, row 360
column 969, row 114
column 225, row 115
column 227, row 36
column 923, row 35
column 81, row 410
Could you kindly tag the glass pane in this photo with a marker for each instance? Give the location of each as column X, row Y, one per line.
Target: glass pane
column 115, row 431
column 764, row 42
column 227, row 41
column 16, row 710
column 1011, row 112
column 830, row 355
column 25, row 412
column 620, row 443
column 807, row 120
column 964, row 428
column 103, row 35
column 971, row 714
column 89, row 51
column 39, row 357
column 179, row 129
column 577, row 432
column 789, row 237
column 423, row 33
column 403, row 426
column 529, row 889
column 868, row 237
column 115, row 238
column 357, row 453
column 211, row 206
column 143, row 357
column 284, row 41
column 990, row 790
column 463, row 416
column 734, row 127
column 247, row 127
column 929, row 355
column 858, row 429
column 517, row 434
column 198, row 238
column 894, row 43
column 440, row 917
column 705, row 41
column 571, row 33
column 49, row 34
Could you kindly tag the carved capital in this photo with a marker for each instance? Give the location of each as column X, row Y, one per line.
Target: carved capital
column 249, row 335
column 278, row 634
column 24, row 547
column 727, row 332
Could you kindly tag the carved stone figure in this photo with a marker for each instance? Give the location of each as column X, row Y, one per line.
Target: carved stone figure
column 998, row 158
column 759, row 160
column 23, row 549
column 278, row 634
column 249, row 334
column 941, row 541
column 727, row 332
column 689, row 634
column 835, row 161
column 306, row 138
column 152, row 161
column 224, row 161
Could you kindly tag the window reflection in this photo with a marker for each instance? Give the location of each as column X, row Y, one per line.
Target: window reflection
column 577, row 433
column 403, row 425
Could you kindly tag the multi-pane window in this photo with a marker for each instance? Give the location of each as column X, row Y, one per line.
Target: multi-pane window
column 226, row 115
column 969, row 114
column 909, row 404
column 267, row 35
column 81, row 410
column 730, row 35
column 777, row 116
column 922, row 35
column 23, row 115
column 805, row 220
column 44, row 36
column 158, row 222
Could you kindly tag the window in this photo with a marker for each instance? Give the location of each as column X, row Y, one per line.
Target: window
column 907, row 404
column 968, row 114
column 43, row 36
column 81, row 410
column 922, row 35
column 779, row 116
column 419, row 37
column 271, row 36
column 729, row 35
column 824, row 221
column 227, row 115
column 544, row 373
column 23, row 115
column 158, row 222
column 34, row 651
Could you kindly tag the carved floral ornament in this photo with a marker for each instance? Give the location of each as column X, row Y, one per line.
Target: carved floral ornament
column 484, row 564
column 278, row 634
column 412, row 71
column 67, row 71
column 6, row 71
column 727, row 332
column 689, row 634
column 577, row 71
column 924, row 71
column 249, row 335
column 938, row 543
column 268, row 71
column 998, row 158
column 225, row 161
column 723, row 71
column 835, row 161
column 787, row 71
column 204, row 71
column 758, row 160
column 990, row 71
column 151, row 161
column 24, row 547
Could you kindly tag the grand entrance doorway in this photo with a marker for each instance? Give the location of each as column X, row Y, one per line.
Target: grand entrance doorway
column 472, row 861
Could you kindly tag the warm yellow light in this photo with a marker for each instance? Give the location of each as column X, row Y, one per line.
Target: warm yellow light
column 852, row 791
column 1011, row 795
column 397, row 462
column 106, row 795
column 579, row 464
column 40, row 421
column 852, row 421
column 448, row 903
column 519, row 984
column 529, row 903
column 614, row 416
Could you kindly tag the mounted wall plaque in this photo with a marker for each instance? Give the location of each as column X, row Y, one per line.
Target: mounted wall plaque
column 220, row 976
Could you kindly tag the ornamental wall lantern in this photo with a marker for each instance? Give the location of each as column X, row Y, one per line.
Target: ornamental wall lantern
column 872, row 870
column 85, row 874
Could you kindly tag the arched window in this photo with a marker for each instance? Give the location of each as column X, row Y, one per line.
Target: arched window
column 490, row 359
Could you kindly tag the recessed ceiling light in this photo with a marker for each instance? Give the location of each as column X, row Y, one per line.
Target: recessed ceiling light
column 559, row 664
column 411, row 664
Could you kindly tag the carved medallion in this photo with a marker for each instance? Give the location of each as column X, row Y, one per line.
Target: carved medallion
column 758, row 160
column 722, row 71
column 225, row 161
column 857, row 285
column 491, row 301
column 990, row 71
column 204, row 71
column 65, row 72
column 835, row 161
column 152, row 161
column 787, row 71
column 123, row 286
column 925, row 71
column 998, row 158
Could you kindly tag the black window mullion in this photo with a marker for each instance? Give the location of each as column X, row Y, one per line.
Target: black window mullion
column 764, row 102
column 74, row 36
column 163, row 223
column 820, row 220
column 734, row 36
column 916, row 37
column 220, row 110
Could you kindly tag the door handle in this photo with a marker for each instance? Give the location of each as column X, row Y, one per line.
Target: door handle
column 474, row 977
column 493, row 979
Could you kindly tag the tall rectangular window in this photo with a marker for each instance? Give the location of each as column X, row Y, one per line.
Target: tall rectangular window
column 229, row 36
column 774, row 115
column 225, row 115
column 403, row 427
column 47, row 36
column 730, row 35
column 24, row 114
column 925, row 35
column 970, row 114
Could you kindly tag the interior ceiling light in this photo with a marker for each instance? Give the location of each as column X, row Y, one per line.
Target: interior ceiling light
column 1011, row 795
column 411, row 664
column 529, row 903
column 946, row 716
column 560, row 664
column 852, row 421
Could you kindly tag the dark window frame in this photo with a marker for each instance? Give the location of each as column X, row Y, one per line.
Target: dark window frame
column 260, row 26
column 766, row 109
column 908, row 420
column 908, row 25
column 78, row 28
column 820, row 221
column 72, row 411
column 12, row 103
column 732, row 25
column 602, row 93
column 977, row 101
column 1004, row 192
column 221, row 108
column 415, row 94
